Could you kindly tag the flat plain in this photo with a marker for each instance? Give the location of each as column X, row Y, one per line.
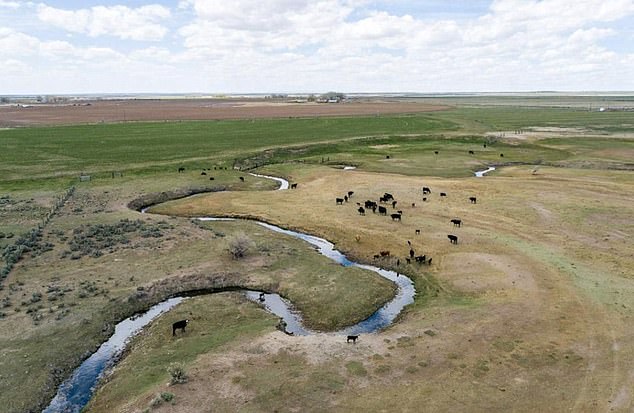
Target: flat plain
column 530, row 311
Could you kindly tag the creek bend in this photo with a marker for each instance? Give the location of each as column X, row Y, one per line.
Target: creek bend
column 75, row 392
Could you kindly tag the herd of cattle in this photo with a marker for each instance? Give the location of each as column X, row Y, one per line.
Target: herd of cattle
column 382, row 206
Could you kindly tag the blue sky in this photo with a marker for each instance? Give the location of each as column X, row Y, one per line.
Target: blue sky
column 241, row 46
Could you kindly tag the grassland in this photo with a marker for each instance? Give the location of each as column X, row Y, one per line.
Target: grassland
column 534, row 300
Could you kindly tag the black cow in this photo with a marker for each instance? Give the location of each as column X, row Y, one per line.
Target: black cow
column 350, row 194
column 407, row 260
column 179, row 325
column 472, row 199
column 211, row 178
column 411, row 253
column 385, row 253
column 261, row 297
column 382, row 210
column 420, row 259
column 426, row 190
column 456, row 222
column 393, row 204
column 396, row 217
column 424, row 199
column 453, row 239
column 388, row 196
column 242, row 178
column 417, row 232
column 293, row 186
column 443, row 194
column 345, row 198
column 501, row 155
column 353, row 338
column 485, row 145
column 436, row 152
column 377, row 256
column 181, row 169
column 413, row 204
column 471, row 152
column 339, row 201
column 361, row 210
column 429, row 261
column 400, row 212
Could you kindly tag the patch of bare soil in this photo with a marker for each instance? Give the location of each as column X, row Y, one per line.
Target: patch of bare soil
column 194, row 109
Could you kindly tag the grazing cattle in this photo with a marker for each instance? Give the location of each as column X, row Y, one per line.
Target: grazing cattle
column 407, row 260
column 261, row 297
column 501, row 155
column 345, row 198
column 382, row 210
column 242, row 178
column 361, row 210
column 456, row 222
column 353, row 338
column 485, row 145
column 413, row 204
column 377, row 256
column 339, row 201
column 424, row 199
column 369, row 204
column 429, row 261
column 387, row 196
column 211, row 178
column 393, row 204
column 471, row 153
column 398, row 262
column 387, row 156
column 472, row 199
column 350, row 194
column 453, row 239
column 436, row 152
column 203, row 173
column 418, row 232
column 396, row 217
column 409, row 243
column 385, row 253
column 181, row 169
column 400, row 212
column 179, row 325
column 411, row 253
column 420, row 259
column 426, row 190
column 293, row 186
column 443, row 194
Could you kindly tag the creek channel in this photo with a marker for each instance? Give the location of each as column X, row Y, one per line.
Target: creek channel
column 74, row 393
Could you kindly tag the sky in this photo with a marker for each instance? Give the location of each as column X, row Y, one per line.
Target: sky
column 313, row 46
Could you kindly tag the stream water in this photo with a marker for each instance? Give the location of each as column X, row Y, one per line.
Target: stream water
column 76, row 391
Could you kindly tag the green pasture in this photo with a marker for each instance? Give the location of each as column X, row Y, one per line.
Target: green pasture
column 55, row 156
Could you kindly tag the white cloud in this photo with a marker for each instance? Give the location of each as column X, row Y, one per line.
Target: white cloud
column 9, row 4
column 120, row 21
column 349, row 45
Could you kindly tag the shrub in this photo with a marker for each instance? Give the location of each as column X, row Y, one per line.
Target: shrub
column 167, row 396
column 177, row 372
column 239, row 246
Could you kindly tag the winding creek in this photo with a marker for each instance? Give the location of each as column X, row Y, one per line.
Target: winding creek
column 77, row 390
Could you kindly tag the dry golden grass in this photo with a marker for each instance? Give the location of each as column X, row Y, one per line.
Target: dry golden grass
column 535, row 317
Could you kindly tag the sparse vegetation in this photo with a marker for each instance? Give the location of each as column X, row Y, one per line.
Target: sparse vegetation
column 239, row 246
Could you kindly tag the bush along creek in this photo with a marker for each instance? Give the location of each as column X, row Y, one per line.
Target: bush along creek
column 77, row 390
